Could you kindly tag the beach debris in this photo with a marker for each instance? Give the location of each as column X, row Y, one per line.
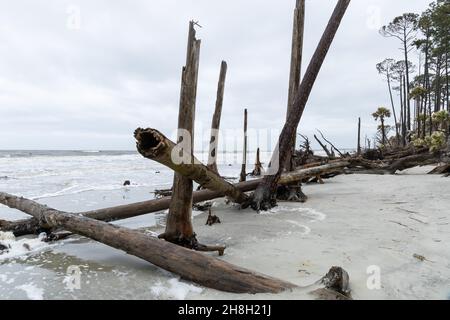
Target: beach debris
column 202, row 206
column 188, row 264
column 160, row 193
column 258, row 170
column 421, row 258
column 127, row 183
column 212, row 219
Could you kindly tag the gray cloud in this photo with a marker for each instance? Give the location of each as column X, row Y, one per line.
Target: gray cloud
column 90, row 88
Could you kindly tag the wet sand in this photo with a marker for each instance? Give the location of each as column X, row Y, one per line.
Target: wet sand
column 355, row 221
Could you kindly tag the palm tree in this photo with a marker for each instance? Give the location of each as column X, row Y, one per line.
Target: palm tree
column 382, row 113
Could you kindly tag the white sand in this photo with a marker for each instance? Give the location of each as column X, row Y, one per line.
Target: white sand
column 355, row 221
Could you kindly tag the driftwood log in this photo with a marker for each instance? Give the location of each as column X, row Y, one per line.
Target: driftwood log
column 32, row 226
column 188, row 264
column 153, row 145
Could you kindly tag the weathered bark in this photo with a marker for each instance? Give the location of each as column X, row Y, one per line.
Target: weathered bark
column 215, row 125
column 145, row 207
column 264, row 195
column 179, row 229
column 243, row 175
column 153, row 145
column 295, row 70
column 258, row 166
column 190, row 265
column 445, row 168
column 21, row 227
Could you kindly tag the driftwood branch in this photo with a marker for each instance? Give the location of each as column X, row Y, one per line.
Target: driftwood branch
column 190, row 265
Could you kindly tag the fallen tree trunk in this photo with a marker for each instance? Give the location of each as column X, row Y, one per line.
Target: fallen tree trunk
column 155, row 205
column 190, row 265
column 153, row 145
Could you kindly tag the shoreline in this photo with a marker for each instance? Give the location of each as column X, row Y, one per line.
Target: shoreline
column 352, row 221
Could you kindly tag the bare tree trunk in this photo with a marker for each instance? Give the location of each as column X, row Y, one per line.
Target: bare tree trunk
column 393, row 108
column 190, row 265
column 243, row 176
column 179, row 229
column 258, row 166
column 215, row 125
column 358, row 150
column 263, row 197
column 295, row 71
column 153, row 145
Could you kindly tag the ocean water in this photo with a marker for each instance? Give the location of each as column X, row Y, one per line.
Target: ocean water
column 45, row 174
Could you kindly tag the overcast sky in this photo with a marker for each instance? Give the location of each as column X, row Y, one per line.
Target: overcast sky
column 85, row 74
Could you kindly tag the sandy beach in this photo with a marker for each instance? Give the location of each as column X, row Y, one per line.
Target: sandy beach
column 397, row 224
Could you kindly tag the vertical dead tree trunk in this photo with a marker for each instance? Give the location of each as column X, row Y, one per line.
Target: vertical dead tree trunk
column 244, row 154
column 263, row 196
column 294, row 192
column 295, row 71
column 359, row 137
column 215, row 126
column 179, row 229
column 258, row 166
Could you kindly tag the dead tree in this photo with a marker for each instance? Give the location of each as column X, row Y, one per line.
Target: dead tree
column 358, row 149
column 243, row 175
column 153, row 145
column 215, row 125
column 258, row 166
column 295, row 70
column 179, row 229
column 264, row 196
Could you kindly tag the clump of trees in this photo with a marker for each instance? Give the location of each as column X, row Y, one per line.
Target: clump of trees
column 422, row 89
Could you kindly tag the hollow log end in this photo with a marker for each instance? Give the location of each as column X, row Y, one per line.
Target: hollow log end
column 149, row 142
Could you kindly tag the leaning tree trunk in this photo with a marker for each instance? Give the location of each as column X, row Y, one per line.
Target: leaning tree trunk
column 295, row 71
column 243, row 175
column 190, row 265
column 179, row 229
column 264, row 195
column 153, row 145
column 32, row 226
column 215, row 125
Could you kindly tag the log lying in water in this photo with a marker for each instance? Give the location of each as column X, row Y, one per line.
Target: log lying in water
column 190, row 265
column 153, row 145
column 155, row 205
